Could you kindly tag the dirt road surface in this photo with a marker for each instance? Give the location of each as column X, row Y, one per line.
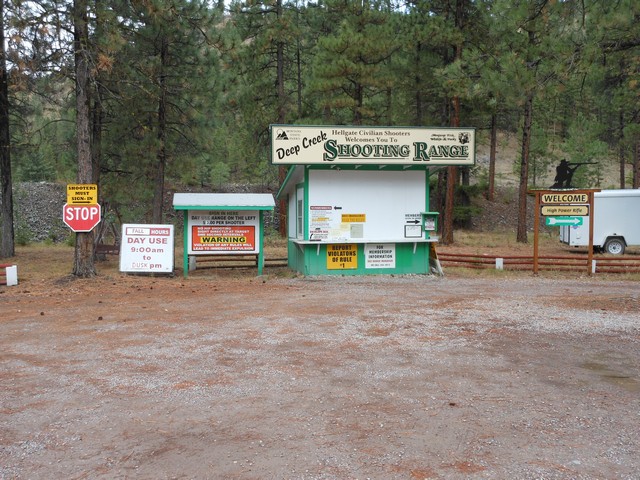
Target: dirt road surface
column 407, row 377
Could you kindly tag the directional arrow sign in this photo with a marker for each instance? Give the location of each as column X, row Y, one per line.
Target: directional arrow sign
column 560, row 221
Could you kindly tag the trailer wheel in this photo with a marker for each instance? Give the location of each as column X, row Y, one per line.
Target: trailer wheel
column 614, row 246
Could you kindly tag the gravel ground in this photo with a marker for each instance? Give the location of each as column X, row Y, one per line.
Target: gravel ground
column 409, row 377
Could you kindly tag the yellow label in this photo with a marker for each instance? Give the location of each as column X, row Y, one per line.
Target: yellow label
column 82, row 194
column 354, row 217
column 342, row 256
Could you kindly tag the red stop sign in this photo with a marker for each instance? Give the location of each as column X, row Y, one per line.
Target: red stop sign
column 81, row 218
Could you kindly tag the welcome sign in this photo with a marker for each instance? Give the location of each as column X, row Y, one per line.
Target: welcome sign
column 355, row 145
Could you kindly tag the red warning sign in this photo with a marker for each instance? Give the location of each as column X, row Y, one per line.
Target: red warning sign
column 215, row 238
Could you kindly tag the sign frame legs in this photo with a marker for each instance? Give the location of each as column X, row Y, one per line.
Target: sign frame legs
column 185, row 252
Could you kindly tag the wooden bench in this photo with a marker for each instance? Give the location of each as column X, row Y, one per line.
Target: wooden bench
column 247, row 260
column 104, row 249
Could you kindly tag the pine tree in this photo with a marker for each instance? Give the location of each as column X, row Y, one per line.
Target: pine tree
column 7, row 245
column 162, row 92
column 350, row 74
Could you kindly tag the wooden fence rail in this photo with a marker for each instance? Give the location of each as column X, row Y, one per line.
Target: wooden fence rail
column 622, row 264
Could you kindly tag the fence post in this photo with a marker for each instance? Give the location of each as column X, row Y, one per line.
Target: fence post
column 499, row 263
column 593, row 266
column 12, row 275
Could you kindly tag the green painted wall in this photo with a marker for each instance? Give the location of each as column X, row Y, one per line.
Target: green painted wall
column 311, row 260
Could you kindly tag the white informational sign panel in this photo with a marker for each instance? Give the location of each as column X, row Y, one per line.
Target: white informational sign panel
column 366, row 205
column 380, row 255
column 356, row 145
column 226, row 232
column 147, row 248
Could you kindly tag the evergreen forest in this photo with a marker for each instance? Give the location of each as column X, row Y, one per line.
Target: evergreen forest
column 141, row 96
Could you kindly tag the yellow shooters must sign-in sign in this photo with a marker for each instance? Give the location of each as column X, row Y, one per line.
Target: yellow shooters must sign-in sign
column 82, row 194
column 342, row 256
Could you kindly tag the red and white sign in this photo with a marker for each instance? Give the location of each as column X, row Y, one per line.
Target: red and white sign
column 213, row 238
column 81, row 218
column 147, row 248
column 212, row 232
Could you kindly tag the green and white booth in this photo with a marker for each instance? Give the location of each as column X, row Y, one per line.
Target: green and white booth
column 358, row 197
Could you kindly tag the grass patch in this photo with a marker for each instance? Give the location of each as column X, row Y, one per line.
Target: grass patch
column 503, row 240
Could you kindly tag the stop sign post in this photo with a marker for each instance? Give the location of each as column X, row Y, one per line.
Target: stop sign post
column 81, row 218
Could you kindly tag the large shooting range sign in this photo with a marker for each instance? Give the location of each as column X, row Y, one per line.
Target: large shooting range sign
column 223, row 231
column 358, row 145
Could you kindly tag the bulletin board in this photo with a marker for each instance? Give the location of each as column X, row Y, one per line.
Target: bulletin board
column 223, row 232
column 366, row 205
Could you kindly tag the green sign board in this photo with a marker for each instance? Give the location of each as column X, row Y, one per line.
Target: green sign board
column 562, row 221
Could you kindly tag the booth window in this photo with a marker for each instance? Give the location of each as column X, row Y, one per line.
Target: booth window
column 300, row 218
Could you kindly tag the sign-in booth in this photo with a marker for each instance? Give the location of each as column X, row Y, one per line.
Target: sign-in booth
column 358, row 197
column 223, row 224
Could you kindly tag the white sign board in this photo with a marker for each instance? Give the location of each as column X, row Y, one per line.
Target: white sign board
column 380, row 255
column 226, row 232
column 301, row 144
column 147, row 248
column 368, row 206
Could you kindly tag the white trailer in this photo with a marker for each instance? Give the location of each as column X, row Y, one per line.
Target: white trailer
column 616, row 222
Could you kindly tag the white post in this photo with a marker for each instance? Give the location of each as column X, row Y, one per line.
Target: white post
column 593, row 266
column 12, row 275
column 499, row 263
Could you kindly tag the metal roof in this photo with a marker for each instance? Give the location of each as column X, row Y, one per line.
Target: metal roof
column 629, row 192
column 223, row 201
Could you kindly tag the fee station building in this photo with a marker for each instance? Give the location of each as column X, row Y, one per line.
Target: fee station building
column 358, row 197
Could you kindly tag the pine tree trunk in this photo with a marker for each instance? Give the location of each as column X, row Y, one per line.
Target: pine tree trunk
column 452, row 177
column 84, row 263
column 454, row 120
column 158, row 195
column 282, row 169
column 524, row 170
column 621, row 156
column 417, row 82
column 439, row 197
column 447, row 228
column 492, row 159
column 7, row 243
column 97, row 112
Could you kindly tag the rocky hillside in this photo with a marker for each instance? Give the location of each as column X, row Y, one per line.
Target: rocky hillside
column 38, row 212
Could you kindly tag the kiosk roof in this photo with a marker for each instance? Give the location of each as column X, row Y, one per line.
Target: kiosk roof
column 223, row 201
